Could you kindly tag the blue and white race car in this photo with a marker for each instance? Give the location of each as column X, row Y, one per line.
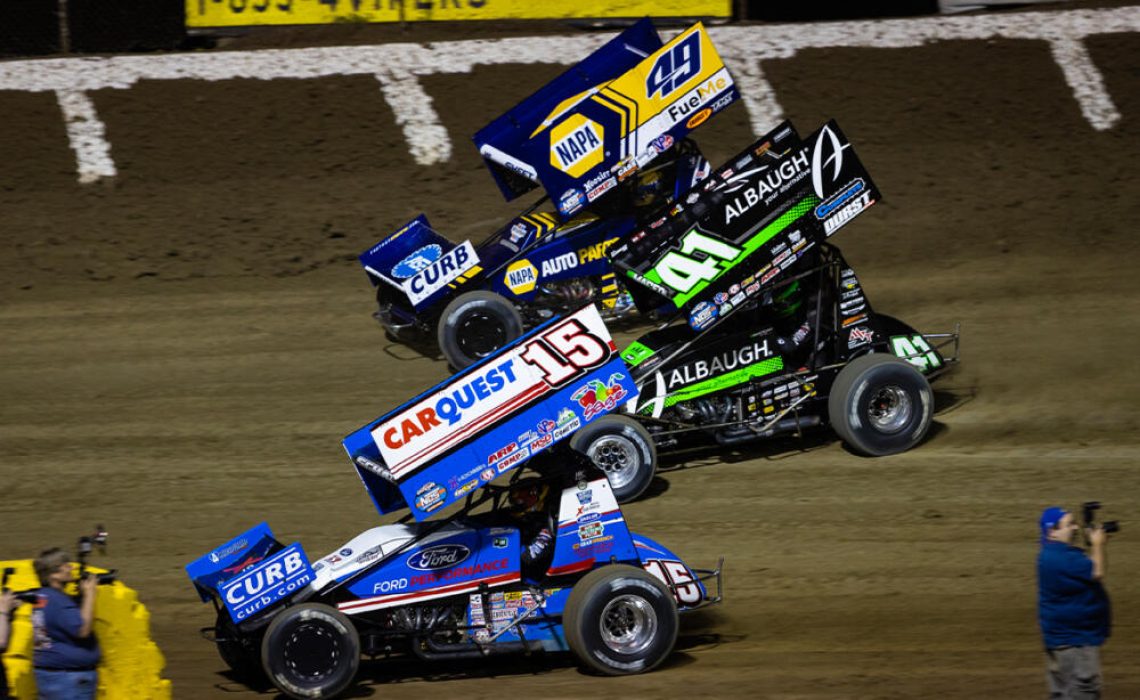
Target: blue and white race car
column 545, row 562
column 607, row 143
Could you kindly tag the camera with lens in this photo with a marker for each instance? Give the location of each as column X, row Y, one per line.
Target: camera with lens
column 84, row 548
column 1088, row 516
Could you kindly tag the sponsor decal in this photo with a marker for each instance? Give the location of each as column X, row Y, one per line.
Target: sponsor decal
column 443, row 556
column 698, row 118
column 570, row 201
column 392, row 586
column 546, row 426
column 601, row 189
column 541, row 443
column 519, row 231
column 487, row 474
column 346, row 552
column 561, row 263
column 244, row 564
column 576, row 145
column 703, row 315
column 440, row 273
column 520, row 277
column 430, row 496
column 847, row 213
column 459, row 572
column 828, row 150
column 417, row 262
column 725, row 362
column 502, row 452
column 563, row 430
column 586, row 496
column 720, row 298
column 662, row 143
column 513, row 459
column 770, row 182
column 220, row 554
column 854, row 319
column 500, row 542
column 597, row 397
column 839, row 198
column 721, row 104
column 450, row 406
column 466, row 488
column 591, row 531
column 281, row 575
column 769, row 275
column 859, row 336
column 595, row 252
column 588, row 517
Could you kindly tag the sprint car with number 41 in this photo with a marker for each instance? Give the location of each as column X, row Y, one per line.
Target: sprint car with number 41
column 606, row 141
column 465, row 575
column 772, row 332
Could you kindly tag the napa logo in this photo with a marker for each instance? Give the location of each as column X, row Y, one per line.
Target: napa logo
column 417, row 262
column 676, row 66
column 576, row 145
column 521, row 277
column 278, row 577
column 443, row 556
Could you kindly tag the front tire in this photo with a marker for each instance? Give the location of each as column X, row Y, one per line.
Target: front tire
column 311, row 651
column 620, row 620
column 622, row 448
column 880, row 405
column 475, row 325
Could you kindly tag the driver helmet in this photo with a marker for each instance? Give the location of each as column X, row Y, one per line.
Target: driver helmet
column 528, row 497
column 650, row 186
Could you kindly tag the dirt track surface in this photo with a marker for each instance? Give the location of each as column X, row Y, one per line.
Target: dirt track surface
column 182, row 351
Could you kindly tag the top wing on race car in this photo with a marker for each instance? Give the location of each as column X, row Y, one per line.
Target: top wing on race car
column 606, row 117
column 489, row 419
column 740, row 232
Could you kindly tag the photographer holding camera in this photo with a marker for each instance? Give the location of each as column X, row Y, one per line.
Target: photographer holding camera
column 66, row 651
column 1072, row 605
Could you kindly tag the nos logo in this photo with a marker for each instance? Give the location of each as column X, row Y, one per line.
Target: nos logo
column 417, row 262
column 443, row 556
column 675, row 67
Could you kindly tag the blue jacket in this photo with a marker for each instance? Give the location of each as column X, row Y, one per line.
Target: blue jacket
column 56, row 621
column 1072, row 607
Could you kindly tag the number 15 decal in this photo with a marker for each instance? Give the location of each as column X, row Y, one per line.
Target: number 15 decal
column 566, row 351
column 676, row 575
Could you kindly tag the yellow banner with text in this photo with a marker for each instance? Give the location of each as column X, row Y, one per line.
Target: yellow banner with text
column 243, row 13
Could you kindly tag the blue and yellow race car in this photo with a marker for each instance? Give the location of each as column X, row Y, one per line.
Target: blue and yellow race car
column 606, row 142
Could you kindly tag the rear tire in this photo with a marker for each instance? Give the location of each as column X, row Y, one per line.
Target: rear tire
column 475, row 325
column 880, row 405
column 311, row 651
column 622, row 448
column 620, row 620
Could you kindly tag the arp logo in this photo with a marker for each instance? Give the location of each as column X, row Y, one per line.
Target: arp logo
column 521, row 277
column 675, row 67
column 576, row 145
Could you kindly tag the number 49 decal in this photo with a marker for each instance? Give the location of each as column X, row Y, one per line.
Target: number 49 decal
column 915, row 350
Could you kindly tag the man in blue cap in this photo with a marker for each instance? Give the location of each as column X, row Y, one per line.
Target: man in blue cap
column 1072, row 606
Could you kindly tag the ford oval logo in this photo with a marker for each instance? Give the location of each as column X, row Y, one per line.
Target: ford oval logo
column 417, row 262
column 443, row 556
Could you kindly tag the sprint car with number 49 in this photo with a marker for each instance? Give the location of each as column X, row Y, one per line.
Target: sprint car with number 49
column 772, row 331
column 606, row 141
column 457, row 578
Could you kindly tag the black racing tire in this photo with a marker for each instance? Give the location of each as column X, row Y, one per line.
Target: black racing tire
column 880, row 405
column 622, row 448
column 311, row 651
column 240, row 652
column 620, row 620
column 475, row 325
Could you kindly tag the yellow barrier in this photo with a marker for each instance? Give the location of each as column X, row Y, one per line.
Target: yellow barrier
column 131, row 667
column 243, row 13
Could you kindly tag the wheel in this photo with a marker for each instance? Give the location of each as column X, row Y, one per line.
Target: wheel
column 241, row 653
column 620, row 620
column 475, row 325
column 623, row 449
column 880, row 405
column 311, row 651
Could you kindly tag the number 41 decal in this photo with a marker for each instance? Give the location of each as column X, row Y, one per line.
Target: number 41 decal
column 915, row 350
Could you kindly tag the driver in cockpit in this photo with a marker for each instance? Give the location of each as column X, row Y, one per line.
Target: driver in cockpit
column 528, row 506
